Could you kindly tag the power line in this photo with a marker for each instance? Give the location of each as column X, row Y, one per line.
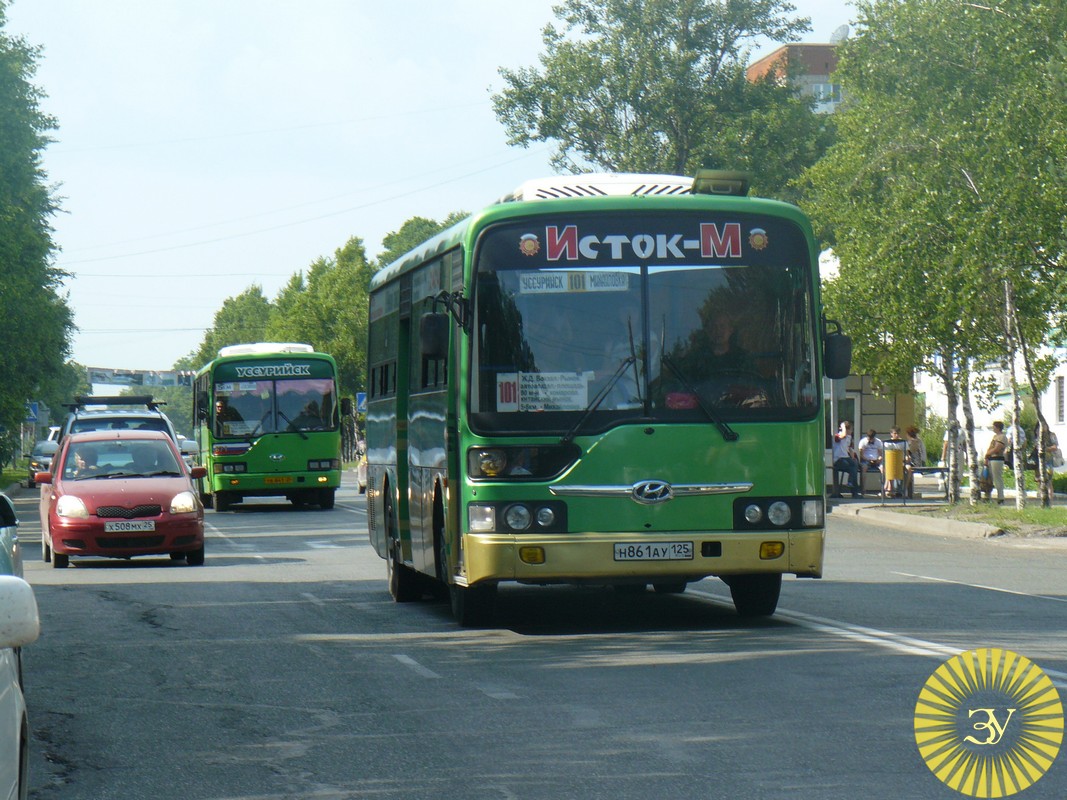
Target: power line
column 282, row 226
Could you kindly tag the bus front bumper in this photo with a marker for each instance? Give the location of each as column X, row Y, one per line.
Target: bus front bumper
column 608, row 557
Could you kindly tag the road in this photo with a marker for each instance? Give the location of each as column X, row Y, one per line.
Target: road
column 282, row 669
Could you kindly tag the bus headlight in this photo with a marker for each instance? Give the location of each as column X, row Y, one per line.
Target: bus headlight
column 545, row 517
column 765, row 513
column 779, row 513
column 518, row 517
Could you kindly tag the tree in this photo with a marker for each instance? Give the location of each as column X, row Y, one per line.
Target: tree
column 37, row 321
column 328, row 310
column 660, row 86
column 943, row 195
column 242, row 319
column 412, row 233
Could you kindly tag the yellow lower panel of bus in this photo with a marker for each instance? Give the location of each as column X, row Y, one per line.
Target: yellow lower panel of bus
column 590, row 557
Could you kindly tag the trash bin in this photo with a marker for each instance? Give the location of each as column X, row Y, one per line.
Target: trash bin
column 894, row 460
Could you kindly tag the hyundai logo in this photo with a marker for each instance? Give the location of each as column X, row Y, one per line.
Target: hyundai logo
column 277, row 457
column 649, row 492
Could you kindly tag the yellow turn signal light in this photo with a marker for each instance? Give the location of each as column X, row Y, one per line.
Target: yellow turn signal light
column 769, row 550
column 532, row 555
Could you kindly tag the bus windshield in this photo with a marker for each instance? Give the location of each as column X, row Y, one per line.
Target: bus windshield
column 662, row 317
column 293, row 405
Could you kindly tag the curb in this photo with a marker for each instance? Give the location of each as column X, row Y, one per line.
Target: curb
column 918, row 524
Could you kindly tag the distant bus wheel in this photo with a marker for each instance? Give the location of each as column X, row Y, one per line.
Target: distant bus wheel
column 404, row 583
column 755, row 595
column 223, row 501
column 327, row 498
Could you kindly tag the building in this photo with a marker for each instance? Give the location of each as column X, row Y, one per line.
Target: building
column 812, row 65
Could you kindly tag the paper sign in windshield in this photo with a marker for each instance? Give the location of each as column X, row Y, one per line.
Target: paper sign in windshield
column 559, row 281
column 542, row 391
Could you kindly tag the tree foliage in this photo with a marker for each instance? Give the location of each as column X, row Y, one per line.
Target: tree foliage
column 943, row 195
column 660, row 86
column 36, row 318
column 241, row 319
column 413, row 233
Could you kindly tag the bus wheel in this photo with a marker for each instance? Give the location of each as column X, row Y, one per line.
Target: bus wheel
column 674, row 587
column 472, row 606
column 326, row 498
column 404, row 583
column 223, row 501
column 755, row 595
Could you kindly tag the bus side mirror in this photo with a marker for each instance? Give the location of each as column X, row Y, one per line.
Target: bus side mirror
column 433, row 335
column 837, row 356
column 346, row 406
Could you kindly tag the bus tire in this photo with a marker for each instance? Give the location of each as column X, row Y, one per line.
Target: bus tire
column 755, row 595
column 327, row 498
column 670, row 587
column 223, row 501
column 404, row 583
column 473, row 606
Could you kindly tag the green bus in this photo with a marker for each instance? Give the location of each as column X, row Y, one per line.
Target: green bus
column 602, row 379
column 267, row 424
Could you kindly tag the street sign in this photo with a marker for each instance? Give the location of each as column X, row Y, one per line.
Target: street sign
column 31, row 412
column 361, row 402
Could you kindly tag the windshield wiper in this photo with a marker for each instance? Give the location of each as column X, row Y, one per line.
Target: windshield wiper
column 728, row 433
column 291, row 426
column 568, row 437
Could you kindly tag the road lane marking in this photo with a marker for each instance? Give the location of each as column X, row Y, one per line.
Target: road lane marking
column 415, row 666
column 859, row 633
column 982, row 586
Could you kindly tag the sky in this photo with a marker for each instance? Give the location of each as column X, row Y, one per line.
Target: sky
column 204, row 146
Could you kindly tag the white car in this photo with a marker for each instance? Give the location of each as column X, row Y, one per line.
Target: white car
column 19, row 626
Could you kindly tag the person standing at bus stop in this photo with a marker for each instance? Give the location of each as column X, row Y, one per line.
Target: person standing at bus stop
column 994, row 459
column 845, row 458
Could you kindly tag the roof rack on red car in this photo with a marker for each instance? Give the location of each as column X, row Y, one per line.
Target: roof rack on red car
column 83, row 400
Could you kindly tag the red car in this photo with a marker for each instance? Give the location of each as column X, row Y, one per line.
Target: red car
column 120, row 493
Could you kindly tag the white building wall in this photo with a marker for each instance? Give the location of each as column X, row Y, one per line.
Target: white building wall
column 1053, row 400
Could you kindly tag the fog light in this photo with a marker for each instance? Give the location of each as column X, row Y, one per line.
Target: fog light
column 323, row 479
column 753, row 514
column 769, row 550
column 532, row 555
column 518, row 517
column 481, row 518
column 545, row 516
column 779, row 513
